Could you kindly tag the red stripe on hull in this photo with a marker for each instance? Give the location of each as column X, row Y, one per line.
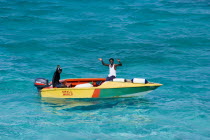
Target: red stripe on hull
column 96, row 93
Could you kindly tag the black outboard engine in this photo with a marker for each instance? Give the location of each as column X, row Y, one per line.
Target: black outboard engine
column 41, row 83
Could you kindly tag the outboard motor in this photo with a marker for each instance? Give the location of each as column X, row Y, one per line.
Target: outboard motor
column 41, row 83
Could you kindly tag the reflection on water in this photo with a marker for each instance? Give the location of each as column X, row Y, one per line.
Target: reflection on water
column 70, row 103
column 59, row 106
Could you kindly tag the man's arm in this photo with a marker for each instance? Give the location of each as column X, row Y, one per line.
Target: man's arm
column 120, row 64
column 103, row 62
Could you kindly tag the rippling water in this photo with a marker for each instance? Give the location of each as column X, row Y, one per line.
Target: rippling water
column 164, row 41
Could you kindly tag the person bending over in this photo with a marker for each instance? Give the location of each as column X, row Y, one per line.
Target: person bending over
column 112, row 68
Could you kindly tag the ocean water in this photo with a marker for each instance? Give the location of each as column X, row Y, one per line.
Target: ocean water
column 164, row 41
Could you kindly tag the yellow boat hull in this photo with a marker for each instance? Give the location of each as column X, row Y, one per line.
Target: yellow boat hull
column 106, row 90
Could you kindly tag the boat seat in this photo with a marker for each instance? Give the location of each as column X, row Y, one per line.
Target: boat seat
column 73, row 84
column 83, row 85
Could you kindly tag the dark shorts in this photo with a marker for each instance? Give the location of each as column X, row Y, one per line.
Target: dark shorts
column 110, row 78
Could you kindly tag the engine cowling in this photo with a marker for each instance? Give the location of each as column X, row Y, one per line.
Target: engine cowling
column 41, row 83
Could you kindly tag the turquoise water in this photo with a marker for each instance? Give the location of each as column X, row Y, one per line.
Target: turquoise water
column 163, row 41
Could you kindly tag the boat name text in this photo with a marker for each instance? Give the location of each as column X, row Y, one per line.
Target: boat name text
column 67, row 93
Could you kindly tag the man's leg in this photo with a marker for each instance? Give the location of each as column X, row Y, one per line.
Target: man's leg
column 112, row 77
column 107, row 78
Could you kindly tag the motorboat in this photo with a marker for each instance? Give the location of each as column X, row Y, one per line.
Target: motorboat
column 95, row 88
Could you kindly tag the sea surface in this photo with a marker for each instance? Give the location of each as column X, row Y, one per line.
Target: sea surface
column 164, row 41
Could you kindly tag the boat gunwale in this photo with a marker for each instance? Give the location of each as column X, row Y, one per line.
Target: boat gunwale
column 116, row 87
